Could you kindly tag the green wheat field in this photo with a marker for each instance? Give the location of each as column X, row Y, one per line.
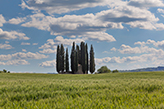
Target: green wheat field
column 99, row 91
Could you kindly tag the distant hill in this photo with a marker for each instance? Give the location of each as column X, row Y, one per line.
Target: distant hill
column 159, row 68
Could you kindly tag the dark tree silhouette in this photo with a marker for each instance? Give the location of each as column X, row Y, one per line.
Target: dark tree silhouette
column 83, row 56
column 77, row 58
column 86, row 58
column 58, row 59
column 62, row 58
column 79, row 55
column 73, row 58
column 67, row 61
column 92, row 61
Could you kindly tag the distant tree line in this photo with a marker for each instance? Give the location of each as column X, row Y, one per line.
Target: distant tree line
column 4, row 71
column 79, row 57
column 104, row 69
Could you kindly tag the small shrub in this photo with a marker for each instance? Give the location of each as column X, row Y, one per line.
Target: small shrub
column 104, row 69
column 115, row 71
column 4, row 70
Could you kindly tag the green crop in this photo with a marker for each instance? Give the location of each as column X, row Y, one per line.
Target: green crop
column 99, row 91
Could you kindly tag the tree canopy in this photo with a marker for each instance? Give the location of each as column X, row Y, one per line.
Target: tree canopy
column 104, row 69
column 78, row 57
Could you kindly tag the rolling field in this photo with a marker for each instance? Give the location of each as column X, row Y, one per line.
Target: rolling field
column 99, row 91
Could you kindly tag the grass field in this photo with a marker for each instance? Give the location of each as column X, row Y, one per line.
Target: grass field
column 99, row 91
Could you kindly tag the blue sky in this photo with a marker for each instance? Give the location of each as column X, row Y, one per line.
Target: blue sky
column 125, row 34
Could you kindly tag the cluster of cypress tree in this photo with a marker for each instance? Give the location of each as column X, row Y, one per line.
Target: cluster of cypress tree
column 79, row 56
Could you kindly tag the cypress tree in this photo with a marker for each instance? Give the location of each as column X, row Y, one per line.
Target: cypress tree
column 79, row 55
column 62, row 57
column 86, row 58
column 92, row 61
column 73, row 58
column 77, row 58
column 83, row 56
column 79, row 51
column 67, row 61
column 58, row 59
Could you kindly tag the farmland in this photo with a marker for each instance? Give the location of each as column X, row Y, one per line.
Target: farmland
column 111, row 90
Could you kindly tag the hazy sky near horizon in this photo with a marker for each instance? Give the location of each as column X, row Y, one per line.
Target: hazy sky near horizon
column 125, row 34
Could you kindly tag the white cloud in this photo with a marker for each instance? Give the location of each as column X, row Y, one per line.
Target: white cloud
column 125, row 49
column 142, row 25
column 147, row 25
column 135, row 17
column 24, row 50
column 16, row 20
column 159, row 44
column 159, row 26
column 21, row 55
column 149, row 41
column 51, row 45
column 5, row 46
column 48, row 64
column 2, row 20
column 87, row 26
column 17, row 62
column 23, row 5
column 12, row 35
column 93, row 26
column 160, row 10
column 162, row 15
column 62, row 6
column 23, row 43
column 60, row 40
column 35, row 44
column 139, row 43
column 106, row 52
column 48, row 51
column 151, row 57
column 2, row 63
column 28, row 55
column 126, row 14
column 39, row 21
column 5, row 57
column 108, row 60
column 113, row 49
column 19, row 58
column 98, row 36
column 146, row 3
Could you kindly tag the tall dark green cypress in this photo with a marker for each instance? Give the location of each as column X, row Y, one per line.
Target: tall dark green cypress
column 92, row 61
column 83, row 56
column 79, row 55
column 86, row 58
column 62, row 57
column 75, row 61
column 79, row 51
column 77, row 58
column 67, row 61
column 58, row 59
column 73, row 58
